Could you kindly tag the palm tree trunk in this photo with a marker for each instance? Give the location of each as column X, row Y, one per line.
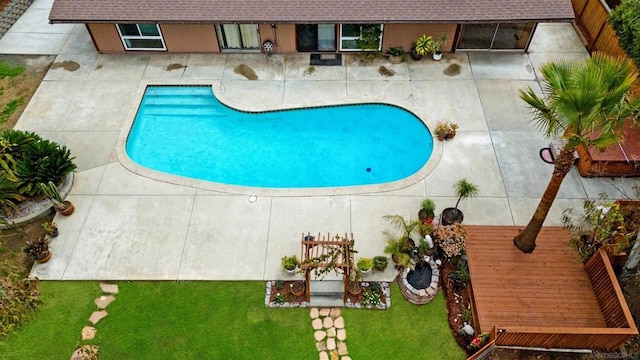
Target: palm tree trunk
column 526, row 239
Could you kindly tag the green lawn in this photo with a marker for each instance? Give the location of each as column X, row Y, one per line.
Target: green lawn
column 405, row 331
column 219, row 320
column 55, row 330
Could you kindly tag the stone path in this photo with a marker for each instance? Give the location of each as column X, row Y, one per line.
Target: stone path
column 90, row 352
column 330, row 333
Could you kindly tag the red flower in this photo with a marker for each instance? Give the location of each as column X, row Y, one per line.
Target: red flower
column 476, row 342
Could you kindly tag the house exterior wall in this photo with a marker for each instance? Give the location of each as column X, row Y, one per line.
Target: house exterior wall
column 201, row 38
column 190, row 38
column 283, row 36
column 403, row 35
column 106, row 38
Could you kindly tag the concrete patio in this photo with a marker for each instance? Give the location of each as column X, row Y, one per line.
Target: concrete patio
column 130, row 225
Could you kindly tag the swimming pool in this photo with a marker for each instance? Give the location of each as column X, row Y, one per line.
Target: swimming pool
column 186, row 131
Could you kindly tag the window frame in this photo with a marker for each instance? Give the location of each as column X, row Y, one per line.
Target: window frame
column 123, row 38
column 342, row 38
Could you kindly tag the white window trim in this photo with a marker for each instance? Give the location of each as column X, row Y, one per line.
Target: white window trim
column 357, row 37
column 142, row 37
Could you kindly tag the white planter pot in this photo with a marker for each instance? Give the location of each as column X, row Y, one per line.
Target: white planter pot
column 291, row 272
column 437, row 56
column 365, row 272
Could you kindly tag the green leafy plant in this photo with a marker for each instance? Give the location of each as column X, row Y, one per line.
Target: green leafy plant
column 436, row 45
column 602, row 224
column 369, row 41
column 395, row 51
column 423, row 45
column 398, row 238
column 7, row 70
column 460, row 276
column 464, row 190
column 37, row 248
column 290, row 262
column 43, row 161
column 371, row 297
column 380, row 263
column 625, row 21
column 9, row 197
column 50, row 227
column 365, row 264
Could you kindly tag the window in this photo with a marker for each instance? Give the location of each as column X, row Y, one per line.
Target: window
column 349, row 33
column 238, row 36
column 141, row 36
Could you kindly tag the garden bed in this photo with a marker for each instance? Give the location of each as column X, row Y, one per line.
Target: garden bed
column 374, row 295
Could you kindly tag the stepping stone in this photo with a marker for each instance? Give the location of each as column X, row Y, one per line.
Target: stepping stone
column 327, row 322
column 339, row 322
column 85, row 352
column 88, row 332
column 331, row 344
column 320, row 335
column 324, row 355
column 321, row 346
column 103, row 301
column 335, row 312
column 316, row 324
column 325, row 311
column 334, row 355
column 109, row 288
column 342, row 348
column 342, row 335
column 346, row 358
column 97, row 316
column 314, row 313
column 331, row 332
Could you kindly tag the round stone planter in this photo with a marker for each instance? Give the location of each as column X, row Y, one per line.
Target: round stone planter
column 420, row 296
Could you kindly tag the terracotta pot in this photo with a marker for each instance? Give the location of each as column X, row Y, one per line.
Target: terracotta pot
column 69, row 210
column 354, row 288
column 297, row 288
column 44, row 259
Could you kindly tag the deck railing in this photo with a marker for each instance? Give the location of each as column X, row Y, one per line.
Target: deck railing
column 616, row 314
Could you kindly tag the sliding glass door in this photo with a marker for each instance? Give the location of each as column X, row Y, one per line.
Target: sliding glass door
column 502, row 36
column 316, row 37
column 238, row 36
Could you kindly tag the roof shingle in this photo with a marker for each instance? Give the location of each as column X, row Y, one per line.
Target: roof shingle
column 316, row 11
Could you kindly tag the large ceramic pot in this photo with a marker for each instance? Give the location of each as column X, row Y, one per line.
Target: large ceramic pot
column 451, row 216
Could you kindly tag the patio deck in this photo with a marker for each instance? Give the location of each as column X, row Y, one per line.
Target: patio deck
column 546, row 298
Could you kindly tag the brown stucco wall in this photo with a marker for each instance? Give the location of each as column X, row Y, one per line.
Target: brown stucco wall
column 106, row 38
column 190, row 38
column 403, row 35
column 284, row 36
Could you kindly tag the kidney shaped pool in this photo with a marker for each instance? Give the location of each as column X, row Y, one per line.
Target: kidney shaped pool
column 186, row 131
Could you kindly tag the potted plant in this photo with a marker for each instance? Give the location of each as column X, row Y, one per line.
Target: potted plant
column 427, row 211
column 445, row 130
column 51, row 228
column 290, row 264
column 399, row 242
column 396, row 55
column 297, row 288
column 50, row 190
column 437, row 45
column 380, row 263
column 365, row 265
column 463, row 190
column 38, row 249
column 422, row 46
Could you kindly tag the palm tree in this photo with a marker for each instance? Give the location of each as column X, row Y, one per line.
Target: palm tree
column 586, row 103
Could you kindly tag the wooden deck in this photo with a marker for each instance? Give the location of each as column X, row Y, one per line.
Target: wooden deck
column 548, row 288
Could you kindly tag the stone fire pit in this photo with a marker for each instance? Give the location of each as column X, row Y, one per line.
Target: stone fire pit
column 420, row 285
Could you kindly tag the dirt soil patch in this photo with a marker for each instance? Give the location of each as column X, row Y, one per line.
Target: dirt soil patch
column 23, row 86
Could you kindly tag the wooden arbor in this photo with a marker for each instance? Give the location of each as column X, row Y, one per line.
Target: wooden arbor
column 322, row 255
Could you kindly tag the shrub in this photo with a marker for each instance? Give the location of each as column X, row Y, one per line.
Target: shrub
column 625, row 20
column 9, row 197
column 380, row 263
column 43, row 161
column 19, row 298
column 451, row 239
column 460, row 276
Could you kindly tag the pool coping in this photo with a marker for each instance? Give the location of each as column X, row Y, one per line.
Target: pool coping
column 219, row 93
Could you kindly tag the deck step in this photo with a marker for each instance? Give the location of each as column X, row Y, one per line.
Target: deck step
column 326, row 301
column 326, row 287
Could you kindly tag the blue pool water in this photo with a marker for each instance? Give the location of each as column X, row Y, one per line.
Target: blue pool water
column 186, row 131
